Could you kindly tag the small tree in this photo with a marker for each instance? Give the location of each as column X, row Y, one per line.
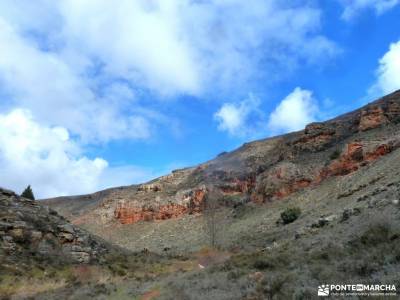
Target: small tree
column 28, row 193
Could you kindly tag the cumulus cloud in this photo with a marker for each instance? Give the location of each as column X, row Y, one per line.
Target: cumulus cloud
column 45, row 84
column 57, row 56
column 84, row 66
column 388, row 73
column 235, row 118
column 353, row 7
column 294, row 112
column 49, row 160
column 186, row 46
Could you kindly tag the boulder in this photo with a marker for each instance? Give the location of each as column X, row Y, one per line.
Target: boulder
column 68, row 228
column 66, row 237
column 348, row 212
column 81, row 257
column 323, row 221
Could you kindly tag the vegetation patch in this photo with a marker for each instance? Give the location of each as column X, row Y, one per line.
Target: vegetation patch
column 290, row 215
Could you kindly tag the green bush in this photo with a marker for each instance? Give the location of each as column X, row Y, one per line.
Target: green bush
column 290, row 215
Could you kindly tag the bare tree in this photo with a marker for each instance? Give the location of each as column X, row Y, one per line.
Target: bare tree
column 213, row 217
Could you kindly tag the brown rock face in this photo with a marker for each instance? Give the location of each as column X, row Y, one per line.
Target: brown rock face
column 238, row 186
column 316, row 136
column 129, row 215
column 372, row 117
column 191, row 202
column 377, row 115
column 348, row 162
column 393, row 111
column 291, row 188
column 379, row 151
column 288, row 178
column 283, row 180
column 357, row 155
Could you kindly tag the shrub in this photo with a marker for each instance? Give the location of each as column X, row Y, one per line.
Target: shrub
column 222, row 154
column 290, row 215
column 263, row 265
column 376, row 234
column 335, row 154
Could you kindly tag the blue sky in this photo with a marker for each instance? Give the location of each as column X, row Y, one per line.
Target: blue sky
column 95, row 94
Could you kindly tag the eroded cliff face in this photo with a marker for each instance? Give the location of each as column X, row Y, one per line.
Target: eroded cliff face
column 316, row 136
column 187, row 202
column 358, row 155
column 287, row 178
column 379, row 114
column 265, row 170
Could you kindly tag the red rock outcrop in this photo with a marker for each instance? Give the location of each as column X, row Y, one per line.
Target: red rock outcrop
column 287, row 179
column 238, row 186
column 348, row 162
column 281, row 181
column 372, row 117
column 357, row 155
column 379, row 151
column 129, row 213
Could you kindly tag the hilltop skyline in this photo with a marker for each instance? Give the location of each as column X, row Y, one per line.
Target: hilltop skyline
column 96, row 95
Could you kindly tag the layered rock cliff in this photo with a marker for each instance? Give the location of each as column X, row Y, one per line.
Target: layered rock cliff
column 28, row 230
column 260, row 171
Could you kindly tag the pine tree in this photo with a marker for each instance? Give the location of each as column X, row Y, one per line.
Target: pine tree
column 28, row 193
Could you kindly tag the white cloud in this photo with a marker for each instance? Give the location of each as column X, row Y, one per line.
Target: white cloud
column 235, row 117
column 49, row 160
column 43, row 83
column 83, row 65
column 138, row 40
column 388, row 73
column 185, row 46
column 56, row 55
column 294, row 112
column 353, row 7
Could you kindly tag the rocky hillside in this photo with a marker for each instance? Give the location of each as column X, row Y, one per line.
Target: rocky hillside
column 42, row 256
column 31, row 231
column 258, row 172
column 342, row 177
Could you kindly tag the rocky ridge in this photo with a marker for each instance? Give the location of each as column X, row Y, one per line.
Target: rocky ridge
column 258, row 172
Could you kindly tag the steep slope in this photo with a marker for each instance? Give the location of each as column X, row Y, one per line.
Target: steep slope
column 257, row 172
column 348, row 232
